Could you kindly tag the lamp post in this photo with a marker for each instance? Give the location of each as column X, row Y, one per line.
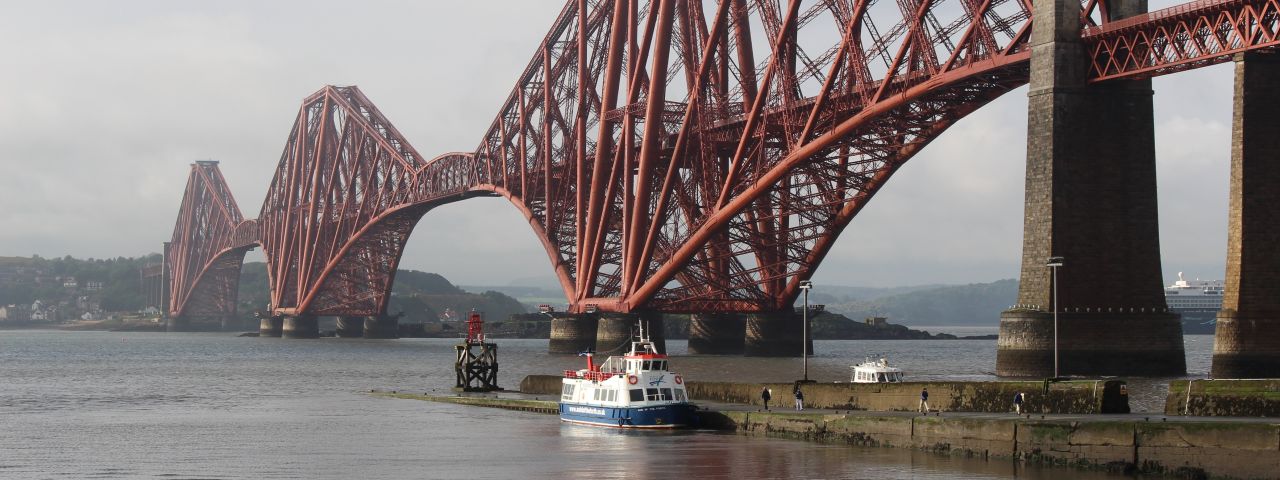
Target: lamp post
column 1054, row 263
column 805, row 285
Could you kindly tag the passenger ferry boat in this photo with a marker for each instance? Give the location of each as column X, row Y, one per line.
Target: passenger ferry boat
column 876, row 372
column 633, row 391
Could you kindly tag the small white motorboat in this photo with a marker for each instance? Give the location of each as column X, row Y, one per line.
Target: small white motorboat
column 872, row 371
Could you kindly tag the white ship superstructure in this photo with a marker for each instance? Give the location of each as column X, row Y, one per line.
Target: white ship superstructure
column 1195, row 296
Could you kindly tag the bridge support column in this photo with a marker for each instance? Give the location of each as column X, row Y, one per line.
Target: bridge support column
column 716, row 334
column 617, row 330
column 229, row 323
column 301, row 326
column 572, row 332
column 613, row 336
column 1091, row 199
column 349, row 327
column 774, row 334
column 179, row 323
column 1247, row 341
column 382, row 327
column 271, row 326
column 655, row 324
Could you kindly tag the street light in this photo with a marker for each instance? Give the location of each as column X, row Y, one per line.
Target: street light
column 805, row 285
column 1054, row 263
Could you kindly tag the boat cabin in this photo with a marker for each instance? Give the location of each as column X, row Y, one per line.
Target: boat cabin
column 876, row 372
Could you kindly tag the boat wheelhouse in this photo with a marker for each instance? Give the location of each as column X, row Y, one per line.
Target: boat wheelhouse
column 636, row 390
column 872, row 371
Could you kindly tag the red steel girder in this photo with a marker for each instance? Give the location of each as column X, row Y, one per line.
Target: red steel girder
column 688, row 156
column 1183, row 37
column 671, row 162
column 340, row 207
column 208, row 245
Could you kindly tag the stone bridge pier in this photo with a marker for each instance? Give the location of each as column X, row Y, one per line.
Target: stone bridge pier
column 716, row 333
column 616, row 331
column 775, row 334
column 1247, row 341
column 1090, row 199
column 301, row 326
column 271, row 326
column 572, row 332
column 349, row 327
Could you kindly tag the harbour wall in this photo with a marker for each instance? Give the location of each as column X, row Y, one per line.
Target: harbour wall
column 1101, row 396
column 1182, row 449
column 1230, row 398
column 1129, row 444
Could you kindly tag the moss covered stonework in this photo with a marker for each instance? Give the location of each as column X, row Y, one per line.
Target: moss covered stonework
column 1181, row 449
column 1224, row 398
column 1101, row 396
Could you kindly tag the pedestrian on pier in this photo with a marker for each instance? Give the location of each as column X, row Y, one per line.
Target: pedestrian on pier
column 924, row 400
column 764, row 396
column 1017, row 403
column 799, row 398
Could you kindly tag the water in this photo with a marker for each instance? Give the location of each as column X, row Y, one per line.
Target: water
column 154, row 405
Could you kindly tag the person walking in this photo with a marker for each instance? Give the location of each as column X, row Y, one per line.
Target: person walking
column 764, row 397
column 924, row 400
column 1017, row 403
column 799, row 398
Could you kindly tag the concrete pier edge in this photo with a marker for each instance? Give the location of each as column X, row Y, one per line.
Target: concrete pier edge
column 1128, row 444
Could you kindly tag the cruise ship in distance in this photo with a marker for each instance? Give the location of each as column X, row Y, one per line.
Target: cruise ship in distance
column 1198, row 301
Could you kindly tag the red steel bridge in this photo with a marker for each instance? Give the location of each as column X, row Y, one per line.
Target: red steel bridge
column 670, row 155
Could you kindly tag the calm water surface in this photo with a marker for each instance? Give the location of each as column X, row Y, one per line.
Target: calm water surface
column 153, row 405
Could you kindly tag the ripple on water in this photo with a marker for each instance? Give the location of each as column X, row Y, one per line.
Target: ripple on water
column 89, row 405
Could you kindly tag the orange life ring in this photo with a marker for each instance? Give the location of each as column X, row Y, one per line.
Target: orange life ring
column 632, row 379
column 679, row 380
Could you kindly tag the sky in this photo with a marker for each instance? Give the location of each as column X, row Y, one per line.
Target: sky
column 104, row 105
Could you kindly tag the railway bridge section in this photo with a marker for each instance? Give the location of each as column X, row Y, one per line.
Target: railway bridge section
column 703, row 157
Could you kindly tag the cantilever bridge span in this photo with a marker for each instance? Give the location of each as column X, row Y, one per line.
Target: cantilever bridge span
column 673, row 155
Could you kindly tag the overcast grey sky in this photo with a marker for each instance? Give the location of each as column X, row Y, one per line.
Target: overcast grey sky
column 103, row 105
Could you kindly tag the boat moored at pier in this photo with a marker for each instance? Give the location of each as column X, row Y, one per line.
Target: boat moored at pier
column 636, row 390
column 872, row 371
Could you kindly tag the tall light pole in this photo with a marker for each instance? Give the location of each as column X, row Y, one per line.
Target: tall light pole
column 1054, row 263
column 805, row 285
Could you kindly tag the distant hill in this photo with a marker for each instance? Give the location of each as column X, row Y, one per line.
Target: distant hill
column 833, row 294
column 975, row 304
column 421, row 296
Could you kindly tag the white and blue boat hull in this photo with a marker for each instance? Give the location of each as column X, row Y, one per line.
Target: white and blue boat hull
column 676, row 415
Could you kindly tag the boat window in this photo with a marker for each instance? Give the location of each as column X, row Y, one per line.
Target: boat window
column 612, row 396
column 651, row 394
column 568, row 389
column 679, row 395
column 659, row 365
column 637, row 395
column 595, row 394
column 666, row 394
column 646, row 365
column 881, row 379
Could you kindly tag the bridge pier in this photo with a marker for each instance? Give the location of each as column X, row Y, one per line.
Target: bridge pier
column 616, row 331
column 716, row 334
column 774, row 334
column 382, row 327
column 1247, row 341
column 1091, row 199
column 271, row 326
column 349, row 327
column 180, row 323
column 572, row 332
column 301, row 326
column 230, row 322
